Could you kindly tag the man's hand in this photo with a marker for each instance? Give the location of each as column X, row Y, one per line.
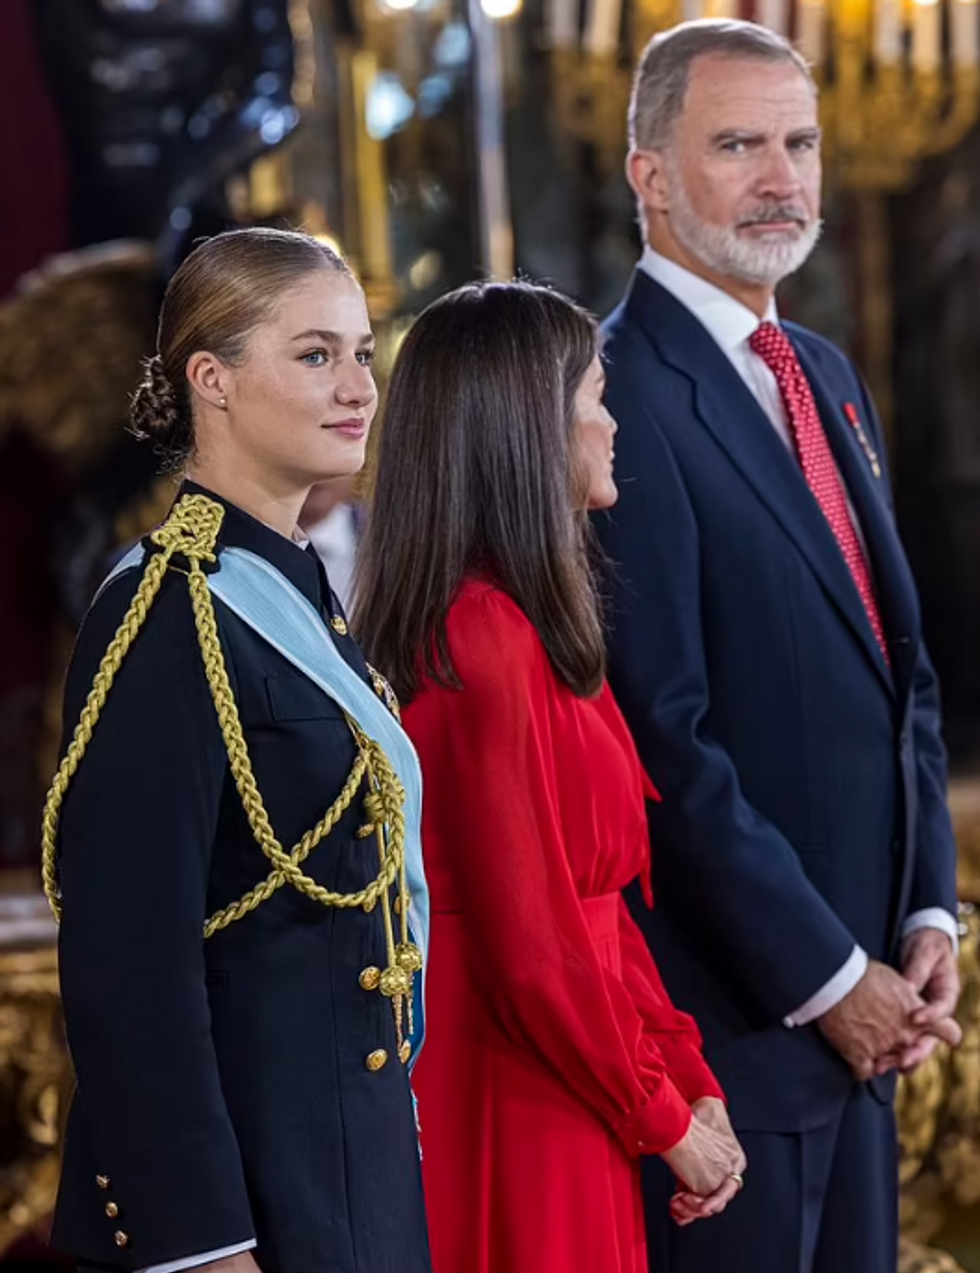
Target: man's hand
column 929, row 965
column 875, row 1020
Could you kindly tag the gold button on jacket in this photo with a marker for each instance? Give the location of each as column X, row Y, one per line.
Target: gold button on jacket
column 121, row 1238
column 376, row 1060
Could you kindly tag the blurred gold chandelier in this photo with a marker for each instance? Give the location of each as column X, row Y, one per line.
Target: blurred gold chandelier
column 899, row 79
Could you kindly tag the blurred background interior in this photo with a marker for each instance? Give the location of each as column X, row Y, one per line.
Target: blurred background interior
column 432, row 141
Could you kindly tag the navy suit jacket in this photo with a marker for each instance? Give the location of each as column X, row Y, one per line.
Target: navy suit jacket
column 803, row 778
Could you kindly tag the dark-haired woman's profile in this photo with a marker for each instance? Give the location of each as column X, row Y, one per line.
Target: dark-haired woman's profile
column 554, row 1058
column 232, row 839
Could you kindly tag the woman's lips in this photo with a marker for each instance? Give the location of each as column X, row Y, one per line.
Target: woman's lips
column 352, row 428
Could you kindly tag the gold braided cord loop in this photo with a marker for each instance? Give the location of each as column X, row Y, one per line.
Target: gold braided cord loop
column 191, row 530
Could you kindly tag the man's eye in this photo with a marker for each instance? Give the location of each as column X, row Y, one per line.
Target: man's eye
column 315, row 358
column 733, row 147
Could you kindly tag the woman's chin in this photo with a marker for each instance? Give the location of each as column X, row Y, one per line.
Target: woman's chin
column 341, row 466
column 605, row 497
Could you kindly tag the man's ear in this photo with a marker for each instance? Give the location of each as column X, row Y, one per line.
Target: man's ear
column 646, row 171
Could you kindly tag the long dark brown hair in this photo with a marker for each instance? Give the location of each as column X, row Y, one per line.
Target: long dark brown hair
column 476, row 476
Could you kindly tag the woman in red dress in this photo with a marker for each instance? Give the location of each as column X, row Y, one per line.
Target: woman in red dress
column 553, row 1056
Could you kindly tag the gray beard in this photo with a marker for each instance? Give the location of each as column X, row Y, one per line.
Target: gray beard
column 722, row 249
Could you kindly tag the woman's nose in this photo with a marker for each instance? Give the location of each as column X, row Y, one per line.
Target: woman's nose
column 356, row 386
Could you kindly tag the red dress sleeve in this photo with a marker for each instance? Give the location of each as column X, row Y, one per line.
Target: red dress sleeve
column 675, row 1034
column 489, row 749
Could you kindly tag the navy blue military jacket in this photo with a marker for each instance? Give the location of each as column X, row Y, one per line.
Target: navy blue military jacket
column 222, row 1091
column 803, row 776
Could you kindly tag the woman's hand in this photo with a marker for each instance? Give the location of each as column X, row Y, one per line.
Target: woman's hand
column 708, row 1162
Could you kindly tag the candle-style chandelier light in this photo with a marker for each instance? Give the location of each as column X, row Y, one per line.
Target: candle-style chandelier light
column 899, row 79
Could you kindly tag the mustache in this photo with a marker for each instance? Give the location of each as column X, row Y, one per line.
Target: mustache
column 770, row 212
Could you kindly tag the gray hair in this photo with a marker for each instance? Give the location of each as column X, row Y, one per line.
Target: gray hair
column 660, row 83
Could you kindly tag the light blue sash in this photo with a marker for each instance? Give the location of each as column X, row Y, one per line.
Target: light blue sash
column 265, row 599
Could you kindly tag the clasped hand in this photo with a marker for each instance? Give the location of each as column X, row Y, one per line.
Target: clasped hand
column 894, row 1020
column 708, row 1164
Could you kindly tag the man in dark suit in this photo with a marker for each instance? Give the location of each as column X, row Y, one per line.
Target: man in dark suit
column 766, row 649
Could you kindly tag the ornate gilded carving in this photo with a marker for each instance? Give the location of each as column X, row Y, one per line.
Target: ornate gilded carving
column 914, row 1258
column 938, row 1111
column 34, row 1068
column 71, row 343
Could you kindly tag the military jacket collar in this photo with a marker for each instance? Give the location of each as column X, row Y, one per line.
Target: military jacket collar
column 299, row 564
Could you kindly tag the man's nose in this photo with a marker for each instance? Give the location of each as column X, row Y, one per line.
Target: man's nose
column 779, row 175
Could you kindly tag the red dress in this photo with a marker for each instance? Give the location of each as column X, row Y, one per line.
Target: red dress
column 553, row 1056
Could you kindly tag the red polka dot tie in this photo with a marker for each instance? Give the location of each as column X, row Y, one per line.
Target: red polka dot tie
column 773, row 346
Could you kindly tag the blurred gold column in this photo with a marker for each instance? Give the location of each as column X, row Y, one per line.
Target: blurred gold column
column 365, row 185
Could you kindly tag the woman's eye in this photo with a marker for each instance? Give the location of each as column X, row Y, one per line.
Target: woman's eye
column 366, row 357
column 315, row 358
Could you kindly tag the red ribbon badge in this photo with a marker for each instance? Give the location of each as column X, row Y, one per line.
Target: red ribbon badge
column 850, row 410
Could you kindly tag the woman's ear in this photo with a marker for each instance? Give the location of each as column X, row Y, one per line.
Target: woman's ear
column 208, row 378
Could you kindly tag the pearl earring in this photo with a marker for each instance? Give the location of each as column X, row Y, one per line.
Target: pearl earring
column 223, row 404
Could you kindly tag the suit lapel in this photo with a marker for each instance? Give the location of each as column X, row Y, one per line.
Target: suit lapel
column 893, row 580
column 727, row 408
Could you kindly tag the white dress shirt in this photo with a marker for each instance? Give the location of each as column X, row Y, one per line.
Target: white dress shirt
column 731, row 324
column 335, row 541
column 193, row 1261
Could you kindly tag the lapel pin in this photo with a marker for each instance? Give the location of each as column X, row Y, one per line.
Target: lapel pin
column 854, row 420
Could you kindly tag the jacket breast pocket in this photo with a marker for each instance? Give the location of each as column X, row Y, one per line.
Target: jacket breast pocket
column 296, row 698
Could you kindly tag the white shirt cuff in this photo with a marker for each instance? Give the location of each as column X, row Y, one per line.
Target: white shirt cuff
column 192, row 1261
column 934, row 917
column 829, row 996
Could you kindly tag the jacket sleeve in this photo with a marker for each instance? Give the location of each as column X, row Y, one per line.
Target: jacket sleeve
column 934, row 874
column 135, row 841
column 491, row 745
column 732, row 877
column 673, row 1032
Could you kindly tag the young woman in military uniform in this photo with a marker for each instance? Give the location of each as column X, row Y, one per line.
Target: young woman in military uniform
column 232, row 838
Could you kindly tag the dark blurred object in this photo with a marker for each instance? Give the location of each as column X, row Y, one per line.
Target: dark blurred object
column 31, row 490
column 33, row 210
column 936, row 279
column 71, row 343
column 31, row 1254
column 70, row 347
column 162, row 102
